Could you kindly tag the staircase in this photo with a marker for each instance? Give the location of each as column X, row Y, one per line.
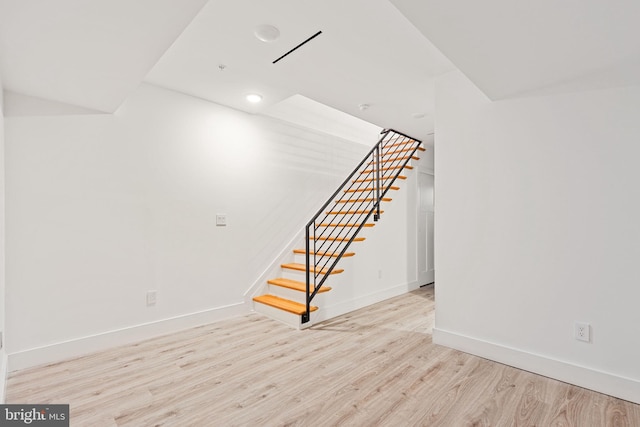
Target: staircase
column 355, row 205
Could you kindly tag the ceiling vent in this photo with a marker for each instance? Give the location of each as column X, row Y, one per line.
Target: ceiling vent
column 299, row 46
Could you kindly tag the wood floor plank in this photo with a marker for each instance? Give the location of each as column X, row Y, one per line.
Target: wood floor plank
column 376, row 366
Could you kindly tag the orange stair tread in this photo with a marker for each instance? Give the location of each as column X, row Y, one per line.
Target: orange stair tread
column 393, row 142
column 383, row 178
column 321, row 253
column 284, row 304
column 401, row 144
column 398, row 144
column 302, row 267
column 401, row 150
column 368, row 199
column 366, row 224
column 348, row 212
column 295, row 285
column 337, row 239
column 393, row 159
column 368, row 190
column 387, row 168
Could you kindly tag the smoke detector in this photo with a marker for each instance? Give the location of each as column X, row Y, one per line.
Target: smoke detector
column 267, row 33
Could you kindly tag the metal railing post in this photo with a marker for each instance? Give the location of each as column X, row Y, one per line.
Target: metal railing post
column 306, row 316
column 377, row 165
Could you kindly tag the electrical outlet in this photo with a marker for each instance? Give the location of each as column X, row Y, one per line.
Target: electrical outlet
column 221, row 220
column 582, row 331
column 151, row 298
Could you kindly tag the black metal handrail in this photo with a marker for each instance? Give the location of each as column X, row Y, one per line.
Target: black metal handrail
column 337, row 223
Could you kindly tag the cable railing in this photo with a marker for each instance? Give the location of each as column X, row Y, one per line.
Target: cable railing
column 337, row 224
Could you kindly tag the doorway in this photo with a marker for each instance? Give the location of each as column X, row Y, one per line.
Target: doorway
column 426, row 205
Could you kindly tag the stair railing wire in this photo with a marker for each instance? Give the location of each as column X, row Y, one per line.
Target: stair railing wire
column 338, row 222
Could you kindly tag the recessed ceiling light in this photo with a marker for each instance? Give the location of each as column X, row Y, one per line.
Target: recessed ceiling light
column 267, row 33
column 418, row 115
column 254, row 98
column 363, row 107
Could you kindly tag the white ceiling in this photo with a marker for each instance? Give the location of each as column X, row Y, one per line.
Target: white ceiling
column 87, row 53
column 367, row 53
column 516, row 48
column 91, row 54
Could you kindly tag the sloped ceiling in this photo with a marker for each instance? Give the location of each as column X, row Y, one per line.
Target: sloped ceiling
column 368, row 53
column 516, row 48
column 90, row 54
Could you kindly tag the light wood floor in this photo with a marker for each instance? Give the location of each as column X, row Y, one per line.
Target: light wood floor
column 373, row 367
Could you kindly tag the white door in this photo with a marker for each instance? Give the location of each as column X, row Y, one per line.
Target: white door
column 426, row 269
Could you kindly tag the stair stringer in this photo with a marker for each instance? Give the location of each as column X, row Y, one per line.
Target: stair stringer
column 260, row 286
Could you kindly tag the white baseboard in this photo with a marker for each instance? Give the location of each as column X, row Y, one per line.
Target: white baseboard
column 602, row 382
column 344, row 307
column 4, row 372
column 89, row 344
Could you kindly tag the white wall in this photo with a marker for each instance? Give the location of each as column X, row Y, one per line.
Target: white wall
column 311, row 114
column 537, row 227
column 3, row 364
column 103, row 208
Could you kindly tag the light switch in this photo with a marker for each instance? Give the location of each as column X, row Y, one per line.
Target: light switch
column 221, row 220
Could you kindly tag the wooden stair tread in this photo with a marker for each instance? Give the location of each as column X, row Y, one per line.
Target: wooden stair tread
column 351, row 225
column 387, row 168
column 368, row 199
column 322, row 253
column 284, row 304
column 301, row 267
column 295, row 285
column 401, row 150
column 336, row 239
column 386, row 159
column 368, row 190
column 399, row 144
column 349, row 212
column 382, row 178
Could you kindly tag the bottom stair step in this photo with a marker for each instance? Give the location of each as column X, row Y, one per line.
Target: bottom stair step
column 283, row 304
